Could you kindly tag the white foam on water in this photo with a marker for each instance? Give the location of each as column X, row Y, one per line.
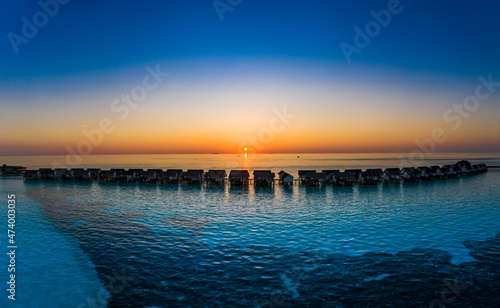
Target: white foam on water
column 51, row 269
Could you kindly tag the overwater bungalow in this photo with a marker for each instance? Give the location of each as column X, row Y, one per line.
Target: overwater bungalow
column 285, row 178
column 463, row 167
column 458, row 170
column 410, row 174
column 171, row 176
column 150, row 176
column 216, row 176
column 178, row 171
column 192, row 176
column 345, row 178
column 31, row 175
column 66, row 175
column 355, row 172
column 137, row 172
column 58, row 172
column 391, row 175
column 377, row 172
column 435, row 172
column 263, row 177
column 78, row 171
column 94, row 173
column 46, row 173
column 12, row 170
column 119, row 174
column 239, row 177
column 329, row 174
column 107, row 175
column 80, row 175
column 474, row 169
column 370, row 177
column 477, row 168
column 302, row 174
column 122, row 175
column 448, row 171
column 425, row 173
column 315, row 179
column 483, row 167
column 129, row 175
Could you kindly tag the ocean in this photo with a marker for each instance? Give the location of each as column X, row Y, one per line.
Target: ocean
column 91, row 244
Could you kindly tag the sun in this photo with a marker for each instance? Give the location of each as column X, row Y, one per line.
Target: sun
column 246, row 149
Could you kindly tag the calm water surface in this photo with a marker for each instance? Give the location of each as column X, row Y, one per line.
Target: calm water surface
column 158, row 245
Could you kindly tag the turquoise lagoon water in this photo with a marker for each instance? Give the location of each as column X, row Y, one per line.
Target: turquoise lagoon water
column 144, row 245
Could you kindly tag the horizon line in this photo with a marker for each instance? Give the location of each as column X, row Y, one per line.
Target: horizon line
column 252, row 153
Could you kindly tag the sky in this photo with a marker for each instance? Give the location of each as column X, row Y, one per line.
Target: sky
column 186, row 76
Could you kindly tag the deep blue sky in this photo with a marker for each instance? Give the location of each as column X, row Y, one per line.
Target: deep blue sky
column 453, row 37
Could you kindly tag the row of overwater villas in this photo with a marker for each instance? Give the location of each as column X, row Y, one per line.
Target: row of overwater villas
column 260, row 177
column 390, row 175
column 236, row 177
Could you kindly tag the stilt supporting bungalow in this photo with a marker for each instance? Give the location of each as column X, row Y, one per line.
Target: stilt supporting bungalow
column 302, row 175
column 192, row 176
column 216, row 176
column 285, row 178
column 239, row 177
column 263, row 178
column 171, row 176
column 370, row 177
column 345, row 178
column 315, row 179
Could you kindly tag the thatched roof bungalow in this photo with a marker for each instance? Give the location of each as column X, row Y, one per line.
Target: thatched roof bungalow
column 46, row 173
column 315, row 178
column 410, row 174
column 150, row 175
column 31, row 175
column 94, row 172
column 435, row 172
column 391, row 175
column 216, row 176
column 285, row 178
column 80, row 174
column 425, row 173
column 192, row 176
column 58, row 172
column 107, row 175
column 329, row 174
column 239, row 177
column 302, row 173
column 343, row 178
column 355, row 172
column 449, row 171
column 370, row 176
column 263, row 177
column 171, row 175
